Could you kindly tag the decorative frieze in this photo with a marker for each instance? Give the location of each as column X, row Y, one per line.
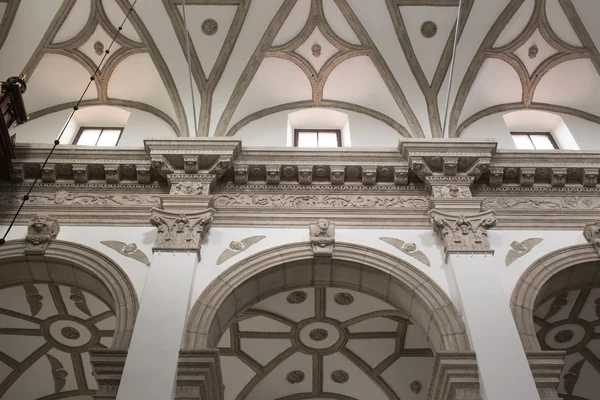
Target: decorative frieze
column 451, row 191
column 542, row 203
column 180, row 231
column 322, row 237
column 244, row 200
column 463, row 233
column 188, row 188
column 64, row 197
column 41, row 230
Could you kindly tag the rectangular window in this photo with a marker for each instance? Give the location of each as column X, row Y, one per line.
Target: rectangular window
column 534, row 141
column 107, row 137
column 317, row 138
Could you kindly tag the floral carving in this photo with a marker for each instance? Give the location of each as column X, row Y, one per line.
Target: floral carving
column 463, row 233
column 180, row 231
column 63, row 197
column 318, row 201
column 528, row 203
column 40, row 232
column 322, row 238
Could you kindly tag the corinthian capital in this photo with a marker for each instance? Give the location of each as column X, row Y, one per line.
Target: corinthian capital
column 180, row 231
column 463, row 233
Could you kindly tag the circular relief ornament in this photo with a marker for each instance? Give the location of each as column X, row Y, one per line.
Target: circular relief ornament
column 564, row 336
column 295, row 376
column 210, row 27
column 296, row 297
column 318, row 334
column 288, row 171
column 352, row 172
column 70, row 333
column 321, row 172
column 343, row 298
column 339, row 376
column 429, row 29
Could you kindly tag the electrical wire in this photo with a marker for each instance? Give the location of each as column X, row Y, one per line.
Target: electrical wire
column 75, row 108
column 189, row 61
column 456, row 28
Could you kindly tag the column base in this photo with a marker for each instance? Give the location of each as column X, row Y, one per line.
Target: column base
column 108, row 365
column 199, row 376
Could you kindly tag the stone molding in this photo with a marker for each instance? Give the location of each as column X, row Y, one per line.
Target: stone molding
column 546, row 367
column 107, row 366
column 199, row 376
column 408, row 289
column 180, row 232
column 463, row 233
column 40, row 232
column 455, row 377
column 84, row 263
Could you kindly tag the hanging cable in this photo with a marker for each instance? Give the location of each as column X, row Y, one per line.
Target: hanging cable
column 456, row 28
column 189, row 61
column 75, row 108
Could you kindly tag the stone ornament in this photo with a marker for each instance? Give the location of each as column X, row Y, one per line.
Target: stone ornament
column 409, row 249
column 451, row 191
column 415, row 387
column 210, row 27
column 429, row 29
column 180, row 231
column 591, row 233
column 34, row 299
column 236, row 247
column 340, row 376
column 464, row 234
column 533, row 51
column 296, row 297
column 128, row 250
column 343, row 299
column 316, row 50
column 80, row 301
column 188, row 189
column 40, row 232
column 98, row 48
column 519, row 249
column 245, row 200
column 58, row 373
column 318, row 335
column 322, row 238
column 295, row 377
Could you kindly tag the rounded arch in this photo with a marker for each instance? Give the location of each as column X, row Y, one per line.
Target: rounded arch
column 356, row 267
column 74, row 264
column 528, row 288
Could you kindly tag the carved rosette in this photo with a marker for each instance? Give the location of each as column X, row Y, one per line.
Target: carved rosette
column 322, row 238
column 180, row 231
column 464, row 233
column 41, row 230
column 591, row 232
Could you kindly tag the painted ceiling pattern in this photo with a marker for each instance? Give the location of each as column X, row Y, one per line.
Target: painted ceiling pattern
column 570, row 321
column 46, row 331
column 249, row 59
column 324, row 343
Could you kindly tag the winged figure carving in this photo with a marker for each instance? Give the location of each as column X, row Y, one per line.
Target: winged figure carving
column 128, row 250
column 79, row 300
column 238, row 247
column 571, row 377
column 58, row 373
column 519, row 249
column 409, row 249
column 34, row 298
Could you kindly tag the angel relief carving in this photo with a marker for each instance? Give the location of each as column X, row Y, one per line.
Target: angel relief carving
column 463, row 233
column 180, row 231
column 519, row 249
column 128, row 250
column 40, row 232
column 236, row 247
column 410, row 249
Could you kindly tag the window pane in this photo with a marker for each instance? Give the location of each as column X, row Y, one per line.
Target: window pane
column 522, row 142
column 109, row 137
column 89, row 137
column 328, row 139
column 307, row 139
column 542, row 142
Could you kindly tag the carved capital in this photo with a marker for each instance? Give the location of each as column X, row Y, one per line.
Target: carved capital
column 322, row 238
column 107, row 365
column 463, row 234
column 41, row 230
column 455, row 377
column 591, row 232
column 180, row 231
column 199, row 376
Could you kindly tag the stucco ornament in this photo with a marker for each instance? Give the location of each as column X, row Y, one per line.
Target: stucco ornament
column 40, row 232
column 180, row 231
column 519, row 249
column 464, row 234
column 322, row 238
column 236, row 247
column 188, row 188
column 128, row 250
column 409, row 249
column 592, row 234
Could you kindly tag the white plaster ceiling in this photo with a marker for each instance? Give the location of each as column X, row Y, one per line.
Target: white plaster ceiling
column 568, row 319
column 320, row 343
column 374, row 59
column 46, row 331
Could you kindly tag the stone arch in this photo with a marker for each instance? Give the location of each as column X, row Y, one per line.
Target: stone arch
column 356, row 267
column 74, row 264
column 528, row 288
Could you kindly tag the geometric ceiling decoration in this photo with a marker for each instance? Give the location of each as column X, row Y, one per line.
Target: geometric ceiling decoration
column 323, row 343
column 426, row 31
column 569, row 320
column 46, row 331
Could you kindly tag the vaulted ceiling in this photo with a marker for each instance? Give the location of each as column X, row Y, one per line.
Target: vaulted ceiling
column 387, row 59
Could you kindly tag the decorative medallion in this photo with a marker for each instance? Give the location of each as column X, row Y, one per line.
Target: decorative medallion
column 415, row 387
column 316, row 50
column 339, row 376
column 318, row 334
column 296, row 297
column 99, row 48
column 429, row 29
column 321, row 172
column 352, row 172
column 210, row 27
column 564, row 336
column 295, row 377
column 343, row 298
column 289, row 171
column 70, row 333
column 533, row 52
column 256, row 171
